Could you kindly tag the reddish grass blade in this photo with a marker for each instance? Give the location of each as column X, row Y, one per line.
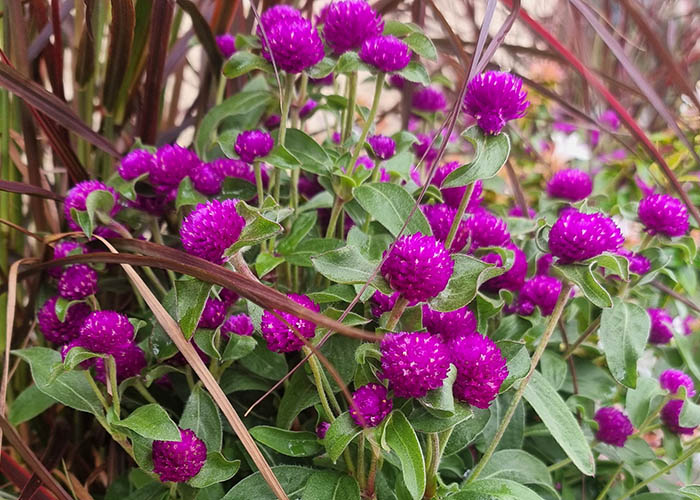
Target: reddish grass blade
column 204, row 34
column 22, row 188
column 19, row 476
column 121, row 38
column 57, row 49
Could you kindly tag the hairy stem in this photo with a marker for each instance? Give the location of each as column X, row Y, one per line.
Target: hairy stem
column 335, row 213
column 284, row 117
column 458, row 216
column 396, row 312
column 370, row 119
column 350, row 111
column 318, row 382
column 591, row 328
column 610, row 482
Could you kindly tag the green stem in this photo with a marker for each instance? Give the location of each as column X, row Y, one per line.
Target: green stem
column 318, row 382
column 259, row 182
column 370, row 119
column 458, row 216
column 372, row 474
column 652, row 415
column 350, row 111
column 396, row 312
column 138, row 385
column 610, row 482
column 361, row 478
column 158, row 238
column 551, row 325
column 96, row 389
column 112, row 369
column 433, row 465
column 591, row 328
column 331, row 395
column 335, row 213
column 645, row 242
column 559, row 465
column 284, row 118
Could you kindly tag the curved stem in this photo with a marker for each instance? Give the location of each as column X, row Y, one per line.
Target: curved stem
column 591, row 328
column 282, row 134
column 652, row 415
column 259, row 182
column 372, row 474
column 434, row 465
column 318, row 382
column 396, row 312
column 350, row 111
column 458, row 216
column 335, row 213
column 610, row 482
column 112, row 375
column 368, row 123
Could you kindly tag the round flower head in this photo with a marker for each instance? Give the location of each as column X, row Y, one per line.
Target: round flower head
column 348, row 23
column 453, row 196
column 106, row 332
column 493, row 98
column 383, row 146
column 173, row 163
column 272, row 122
column 429, row 99
column 449, row 325
column 514, row 278
column 570, row 184
column 382, row 303
column 424, row 148
column 688, row 325
column 326, row 80
column 372, row 403
column 397, row 81
column 129, row 360
column 440, row 218
column 322, row 428
column 77, row 197
column 414, row 363
column 294, row 44
column 487, row 230
column 210, row 229
column 277, row 14
column 670, row 416
column 179, row 461
column 307, row 108
column 64, row 249
column 60, row 332
column 660, row 332
column 638, row 263
column 367, row 162
column 238, row 324
column 540, row 291
column 610, row 118
column 226, row 44
column 672, row 380
column 207, row 179
column 481, row 369
column 279, row 336
column 386, row 53
column 576, row 236
column 418, row 267
column 613, row 426
column 663, row 214
column 136, row 163
column 516, row 211
column 543, row 264
column 213, row 314
column 237, row 169
column 77, row 282
column 253, row 144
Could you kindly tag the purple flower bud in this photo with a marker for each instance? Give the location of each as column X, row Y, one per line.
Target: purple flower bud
column 277, row 14
column 638, row 263
column 210, row 229
column 173, row 163
column 570, row 184
column 382, row 303
column 664, row 214
column 226, row 44
column 179, row 461
column 207, row 179
column 136, row 163
column 543, row 264
column 348, row 23
column 63, row 249
column 481, row 369
column 307, row 108
column 106, row 332
column 672, row 380
column 294, row 44
column 322, row 428
column 660, row 332
column 423, row 148
column 440, row 218
column 60, row 332
column 77, row 197
column 414, row 363
column 610, row 118
column 516, row 211
column 386, row 53
column 383, row 146
column 272, row 122
column 129, row 360
column 238, row 169
column 576, row 236
column 613, row 426
column 541, row 291
column 429, row 100
column 449, row 325
column 238, row 324
column 493, row 98
column 213, row 314
column 397, row 81
column 326, row 80
column 77, row 282
column 514, row 278
column 670, row 416
column 253, row 144
column 453, row 196
column 372, row 403
column 487, row 230
column 279, row 336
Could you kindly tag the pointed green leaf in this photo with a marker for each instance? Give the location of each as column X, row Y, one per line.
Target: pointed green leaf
column 243, row 62
column 339, row 435
column 390, row 205
column 152, row 422
column 289, row 443
column 402, row 440
column 215, row 470
column 491, row 153
column 201, row 415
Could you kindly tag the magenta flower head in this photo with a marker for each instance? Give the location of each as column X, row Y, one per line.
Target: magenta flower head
column 173, row 163
column 277, row 14
column 77, row 282
column 540, row 291
column 326, row 80
column 321, row 429
column 449, row 325
column 663, row 214
column 516, row 211
column 543, row 264
column 418, row 267
column 487, row 230
column 307, row 108
column 670, row 416
column 106, row 332
column 660, row 332
column 210, row 229
column 272, row 122
column 383, row 146
column 672, row 380
column 576, row 236
column 638, row 263
column 129, row 360
column 77, row 197
column 414, row 363
column 481, row 369
column 238, row 169
column 64, row 249
column 226, row 44
column 610, row 118
column 386, row 53
column 253, row 144
column 348, row 23
column 213, row 314
column 293, row 44
column 429, row 100
column 613, row 426
column 207, row 179
column 514, row 278
column 60, row 332
column 136, row 163
column 440, row 218
column 424, row 148
column 494, row 98
column 238, row 324
column 179, row 461
column 570, row 184
column 373, row 405
column 453, row 196
column 397, row 81
column 278, row 334
column 382, row 303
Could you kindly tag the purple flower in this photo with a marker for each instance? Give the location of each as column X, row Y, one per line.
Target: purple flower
column 383, row 146
column 414, row 363
column 277, row 14
column 453, row 196
column 570, row 184
column 326, row 80
column 543, row 264
column 307, row 108
column 279, row 336
column 440, row 218
column 660, row 332
column 213, row 314
column 210, row 229
column 670, row 416
column 567, row 128
column 664, row 214
column 514, row 278
column 106, row 332
column 382, row 303
column 481, row 369
column 494, row 98
column 207, row 179
column 373, row 405
column 516, row 211
column 63, row 249
column 179, row 461
column 645, row 188
column 129, row 360
column 238, row 324
column 173, row 163
column 576, row 236
column 541, row 291
column 638, row 263
column 60, row 332
column 253, row 144
column 294, row 45
column 449, row 325
column 348, row 23
column 136, row 163
column 77, row 197
column 272, row 122
column 688, row 323
column 613, row 426
column 672, row 380
column 226, row 44
column 386, row 53
column 610, row 118
column 77, row 282
column 238, row 169
column 424, row 148
column 487, row 230
column 418, row 267
column 322, row 428
column 429, row 99
column 397, row 81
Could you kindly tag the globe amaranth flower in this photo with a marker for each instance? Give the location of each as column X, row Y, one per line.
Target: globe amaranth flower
column 277, row 14
column 77, row 282
column 383, row 147
column 278, row 334
column 516, row 211
column 418, row 267
column 253, row 144
column 672, row 380
column 670, row 416
column 381, row 303
column 226, row 44
column 514, row 278
column 440, row 218
column 397, row 81
column 106, row 332
column 481, row 369
column 207, row 179
column 272, row 122
column 493, row 98
column 576, row 236
column 610, row 118
column 77, row 198
column 293, row 44
column 638, row 264
column 322, row 429
column 213, row 314
column 487, row 230
column 57, row 331
column 373, row 405
column 64, row 249
column 429, row 100
column 424, row 148
column 179, row 461
column 660, row 332
column 543, row 264
column 348, row 23
column 307, row 108
column 414, row 363
column 386, row 53
column 570, row 184
column 453, row 196
column 210, row 229
column 326, row 80
column 238, row 324
column 663, row 214
column 136, row 163
column 129, row 361
column 540, row 291
column 238, row 169
column 449, row 325
column 173, row 163
column 613, row 426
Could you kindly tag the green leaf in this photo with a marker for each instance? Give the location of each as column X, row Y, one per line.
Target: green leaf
column 280, row 157
column 99, row 201
column 518, row 361
column 691, row 491
column 301, row 227
column 264, row 362
column 309, row 248
column 467, row 431
column 152, row 422
column 616, row 264
column 349, row 62
column 258, row 227
column 216, row 470
column 561, row 423
column 254, row 487
column 312, row 157
column 83, row 220
column 468, row 275
column 623, row 332
column 518, row 466
column 126, row 188
column 640, row 400
column 339, row 435
column 76, row 356
column 191, row 297
column 151, row 491
column 266, row 262
column 416, row 73
column 495, row 489
column 238, row 347
column 243, row 62
column 396, row 28
column 346, row 266
column 585, row 279
column 686, row 244
column 323, row 68
column 234, row 188
column 440, row 401
column 330, row 485
column 402, row 440
column 299, row 395
column 334, row 293
column 424, row 420
column 201, row 415
column 289, row 443
column 688, row 351
column 491, row 153
column 421, row 45
column 690, row 414
column 390, row 204
column 30, row 403
column 187, row 195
